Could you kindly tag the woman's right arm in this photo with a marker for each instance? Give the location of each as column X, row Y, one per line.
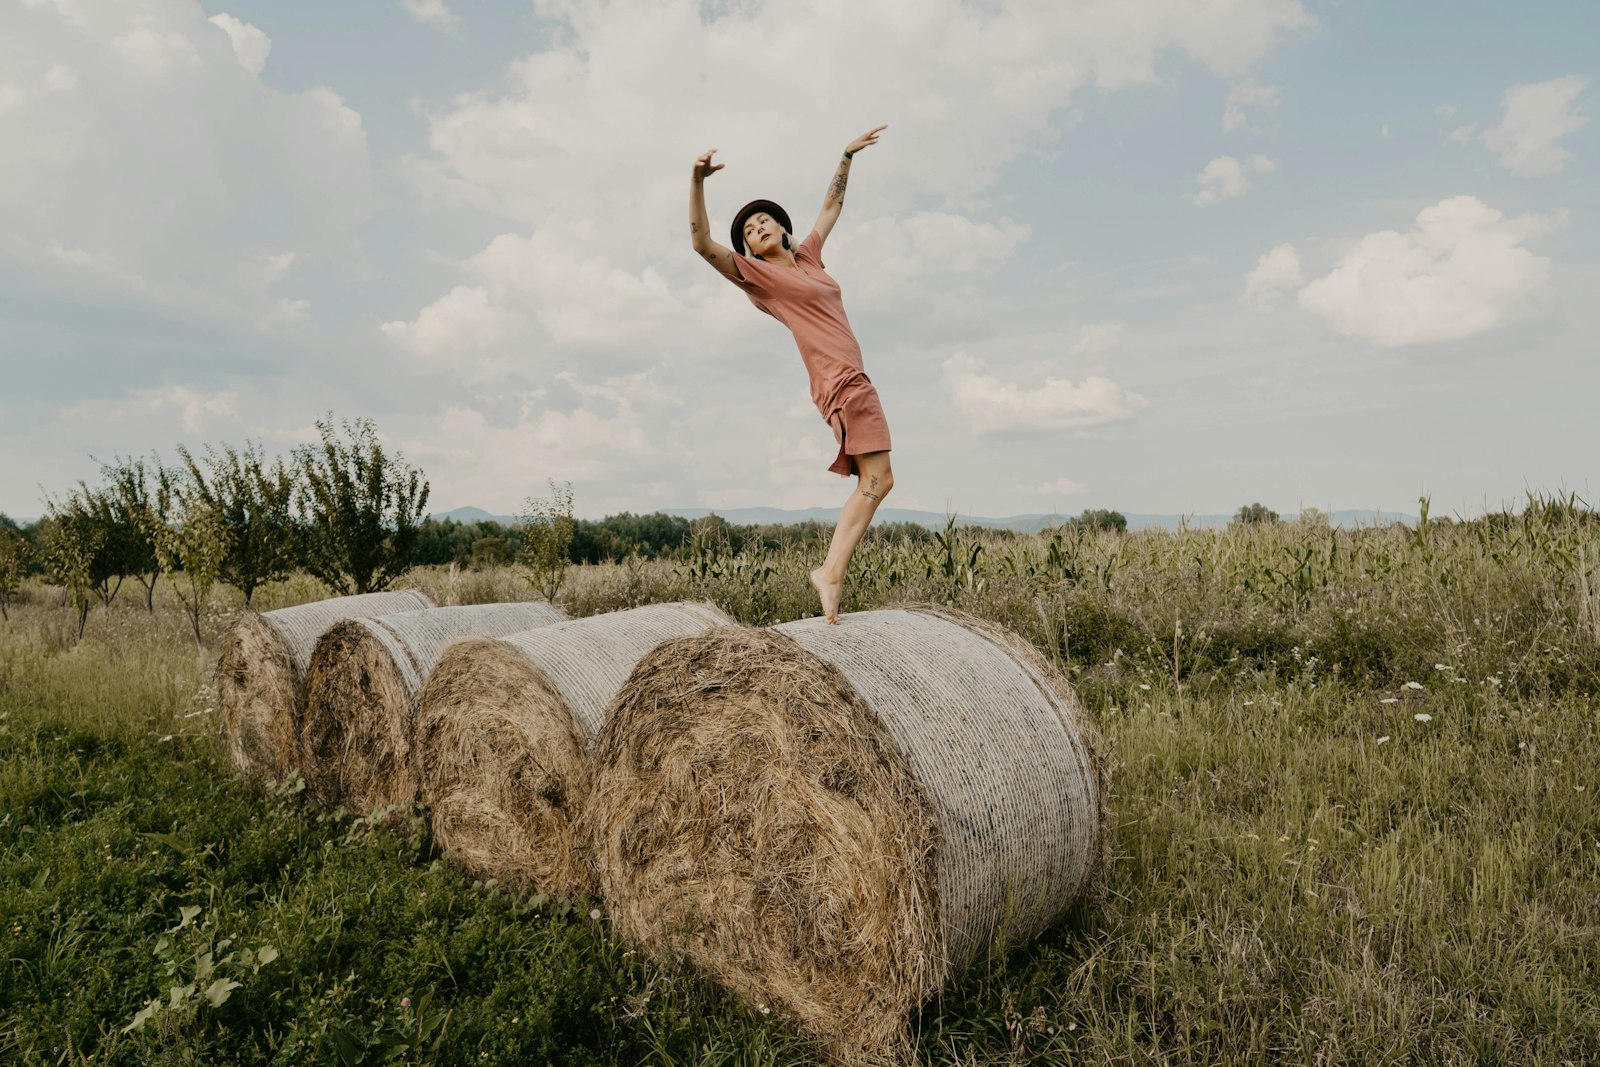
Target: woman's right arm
column 699, row 226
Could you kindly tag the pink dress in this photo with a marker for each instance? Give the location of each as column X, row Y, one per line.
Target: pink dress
column 810, row 304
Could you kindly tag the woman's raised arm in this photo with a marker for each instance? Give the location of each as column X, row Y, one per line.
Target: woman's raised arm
column 833, row 202
column 700, row 226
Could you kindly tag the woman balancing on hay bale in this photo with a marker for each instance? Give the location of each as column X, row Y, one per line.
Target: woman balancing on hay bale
column 788, row 282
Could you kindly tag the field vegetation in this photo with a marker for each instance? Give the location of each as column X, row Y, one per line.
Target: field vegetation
column 1354, row 817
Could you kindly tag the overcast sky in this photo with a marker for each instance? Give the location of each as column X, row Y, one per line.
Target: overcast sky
column 1156, row 255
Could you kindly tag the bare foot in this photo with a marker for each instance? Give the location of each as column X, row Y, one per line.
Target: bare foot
column 829, row 592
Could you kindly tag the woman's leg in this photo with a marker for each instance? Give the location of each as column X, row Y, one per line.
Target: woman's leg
column 876, row 478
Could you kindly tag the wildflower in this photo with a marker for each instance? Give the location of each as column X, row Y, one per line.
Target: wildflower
column 765, row 1010
column 1143, row 686
column 1413, row 685
column 1423, row 716
column 1443, row 667
column 595, row 913
column 1389, row 700
column 1247, row 703
column 1384, row 739
column 405, row 1002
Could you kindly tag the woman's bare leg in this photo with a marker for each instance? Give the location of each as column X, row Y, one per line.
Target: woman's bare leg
column 876, row 478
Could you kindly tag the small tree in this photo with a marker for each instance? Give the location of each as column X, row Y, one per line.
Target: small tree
column 191, row 539
column 1314, row 517
column 73, row 540
column 1255, row 514
column 255, row 501
column 1102, row 519
column 14, row 556
column 362, row 509
column 546, row 526
column 126, row 508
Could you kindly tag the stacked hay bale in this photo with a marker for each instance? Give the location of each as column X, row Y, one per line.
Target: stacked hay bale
column 504, row 733
column 361, row 695
column 261, row 674
column 835, row 820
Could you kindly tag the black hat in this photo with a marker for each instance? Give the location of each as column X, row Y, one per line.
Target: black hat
column 755, row 207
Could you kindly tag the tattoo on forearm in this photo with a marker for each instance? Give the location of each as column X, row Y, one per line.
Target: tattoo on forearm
column 694, row 227
column 839, row 179
column 711, row 257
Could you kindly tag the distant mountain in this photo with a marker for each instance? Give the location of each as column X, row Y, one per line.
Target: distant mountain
column 1030, row 523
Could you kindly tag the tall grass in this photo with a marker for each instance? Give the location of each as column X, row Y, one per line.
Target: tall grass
column 1354, row 780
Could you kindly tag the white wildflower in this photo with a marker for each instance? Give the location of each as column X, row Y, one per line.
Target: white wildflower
column 1383, row 740
column 1423, row 716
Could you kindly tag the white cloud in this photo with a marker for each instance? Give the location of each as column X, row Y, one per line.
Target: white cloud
column 1462, row 134
column 1275, row 273
column 1460, row 271
column 1245, row 97
column 154, row 53
column 197, row 412
column 58, row 79
column 1059, row 487
column 462, row 322
column 987, row 403
column 1097, row 337
column 153, row 165
column 1536, row 117
column 1225, row 178
column 435, row 13
column 250, row 44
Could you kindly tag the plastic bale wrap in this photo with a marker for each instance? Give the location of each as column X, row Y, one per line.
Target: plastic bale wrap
column 504, row 733
column 261, row 674
column 833, row 821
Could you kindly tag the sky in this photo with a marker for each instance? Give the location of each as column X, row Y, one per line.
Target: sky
column 1163, row 256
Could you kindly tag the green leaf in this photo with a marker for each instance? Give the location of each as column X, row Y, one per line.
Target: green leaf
column 179, row 994
column 187, row 915
column 177, row 844
column 145, row 1014
column 265, row 955
column 219, row 991
column 348, row 1048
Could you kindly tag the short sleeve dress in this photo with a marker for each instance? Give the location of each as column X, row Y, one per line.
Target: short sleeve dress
column 810, row 303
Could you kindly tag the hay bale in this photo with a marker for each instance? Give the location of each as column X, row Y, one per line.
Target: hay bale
column 504, row 733
column 835, row 820
column 362, row 689
column 261, row 674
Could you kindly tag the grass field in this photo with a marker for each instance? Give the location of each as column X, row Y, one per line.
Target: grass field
column 1354, row 812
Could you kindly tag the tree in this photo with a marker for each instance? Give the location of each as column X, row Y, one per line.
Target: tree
column 255, row 501
column 546, row 527
column 1102, row 519
column 361, row 508
column 191, row 539
column 14, row 557
column 73, row 539
column 125, row 506
column 1314, row 517
column 1255, row 514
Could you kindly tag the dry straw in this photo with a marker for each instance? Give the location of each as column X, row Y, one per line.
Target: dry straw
column 362, row 689
column 834, row 820
column 261, row 674
column 504, row 732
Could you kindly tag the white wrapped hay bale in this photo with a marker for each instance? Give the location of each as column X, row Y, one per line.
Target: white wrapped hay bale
column 261, row 674
column 835, row 820
column 504, row 732
column 362, row 689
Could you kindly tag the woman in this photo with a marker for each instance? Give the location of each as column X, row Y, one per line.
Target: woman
column 787, row 281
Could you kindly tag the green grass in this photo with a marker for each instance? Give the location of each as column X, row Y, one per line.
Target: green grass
column 1287, row 886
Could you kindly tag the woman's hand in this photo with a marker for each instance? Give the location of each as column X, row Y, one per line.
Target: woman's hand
column 704, row 168
column 870, row 137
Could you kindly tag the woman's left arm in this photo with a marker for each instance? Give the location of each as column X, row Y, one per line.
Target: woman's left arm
column 833, row 202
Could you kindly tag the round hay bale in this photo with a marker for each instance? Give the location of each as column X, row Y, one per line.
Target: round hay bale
column 504, row 733
column 261, row 674
column 361, row 695
column 835, row 820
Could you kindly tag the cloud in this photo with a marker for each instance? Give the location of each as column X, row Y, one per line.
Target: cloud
column 1384, row 132
column 1459, row 272
column 195, row 411
column 1445, row 110
column 987, row 404
column 149, row 163
column 1097, row 337
column 1276, row 272
column 1248, row 96
column 1225, row 178
column 1059, row 487
column 1536, row 117
column 250, row 45
column 1462, row 134
column 463, row 322
column 433, row 13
